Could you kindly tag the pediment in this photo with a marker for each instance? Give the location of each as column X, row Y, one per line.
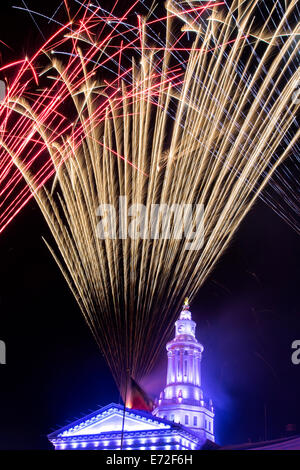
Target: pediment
column 110, row 419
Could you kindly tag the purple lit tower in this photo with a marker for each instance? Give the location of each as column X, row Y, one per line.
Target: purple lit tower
column 182, row 399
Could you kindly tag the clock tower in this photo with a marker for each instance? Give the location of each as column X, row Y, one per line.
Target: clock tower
column 182, row 400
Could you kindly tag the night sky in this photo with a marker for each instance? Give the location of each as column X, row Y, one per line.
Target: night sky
column 247, row 317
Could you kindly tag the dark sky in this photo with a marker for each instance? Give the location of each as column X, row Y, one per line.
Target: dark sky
column 247, row 317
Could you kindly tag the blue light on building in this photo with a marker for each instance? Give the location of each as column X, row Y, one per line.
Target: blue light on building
column 103, row 430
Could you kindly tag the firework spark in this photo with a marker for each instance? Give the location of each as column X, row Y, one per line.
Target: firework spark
column 203, row 123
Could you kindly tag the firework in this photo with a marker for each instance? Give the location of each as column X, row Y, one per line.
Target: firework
column 202, row 123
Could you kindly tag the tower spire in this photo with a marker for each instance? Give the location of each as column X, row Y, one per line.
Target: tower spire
column 185, row 313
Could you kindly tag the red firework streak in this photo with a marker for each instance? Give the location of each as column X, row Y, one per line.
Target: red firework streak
column 21, row 143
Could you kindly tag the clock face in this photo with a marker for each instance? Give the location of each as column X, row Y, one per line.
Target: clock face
column 181, row 329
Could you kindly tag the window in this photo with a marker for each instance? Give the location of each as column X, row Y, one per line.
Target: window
column 165, row 417
column 195, row 420
column 205, row 424
column 186, row 419
column 172, row 417
column 209, row 425
column 185, row 367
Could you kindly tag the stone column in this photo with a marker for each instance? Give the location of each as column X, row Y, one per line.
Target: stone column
column 181, row 365
column 197, row 363
column 170, row 367
column 191, row 367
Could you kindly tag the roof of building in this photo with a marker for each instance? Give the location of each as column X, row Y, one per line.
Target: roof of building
column 107, row 422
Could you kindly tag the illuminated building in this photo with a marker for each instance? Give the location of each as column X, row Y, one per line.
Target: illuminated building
column 182, row 400
column 181, row 419
column 103, row 430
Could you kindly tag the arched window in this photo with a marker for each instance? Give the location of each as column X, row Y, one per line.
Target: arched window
column 186, row 419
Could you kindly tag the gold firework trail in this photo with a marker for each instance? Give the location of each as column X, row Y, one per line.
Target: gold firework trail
column 210, row 130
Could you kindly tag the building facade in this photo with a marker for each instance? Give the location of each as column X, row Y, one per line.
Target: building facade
column 181, row 419
column 105, row 430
